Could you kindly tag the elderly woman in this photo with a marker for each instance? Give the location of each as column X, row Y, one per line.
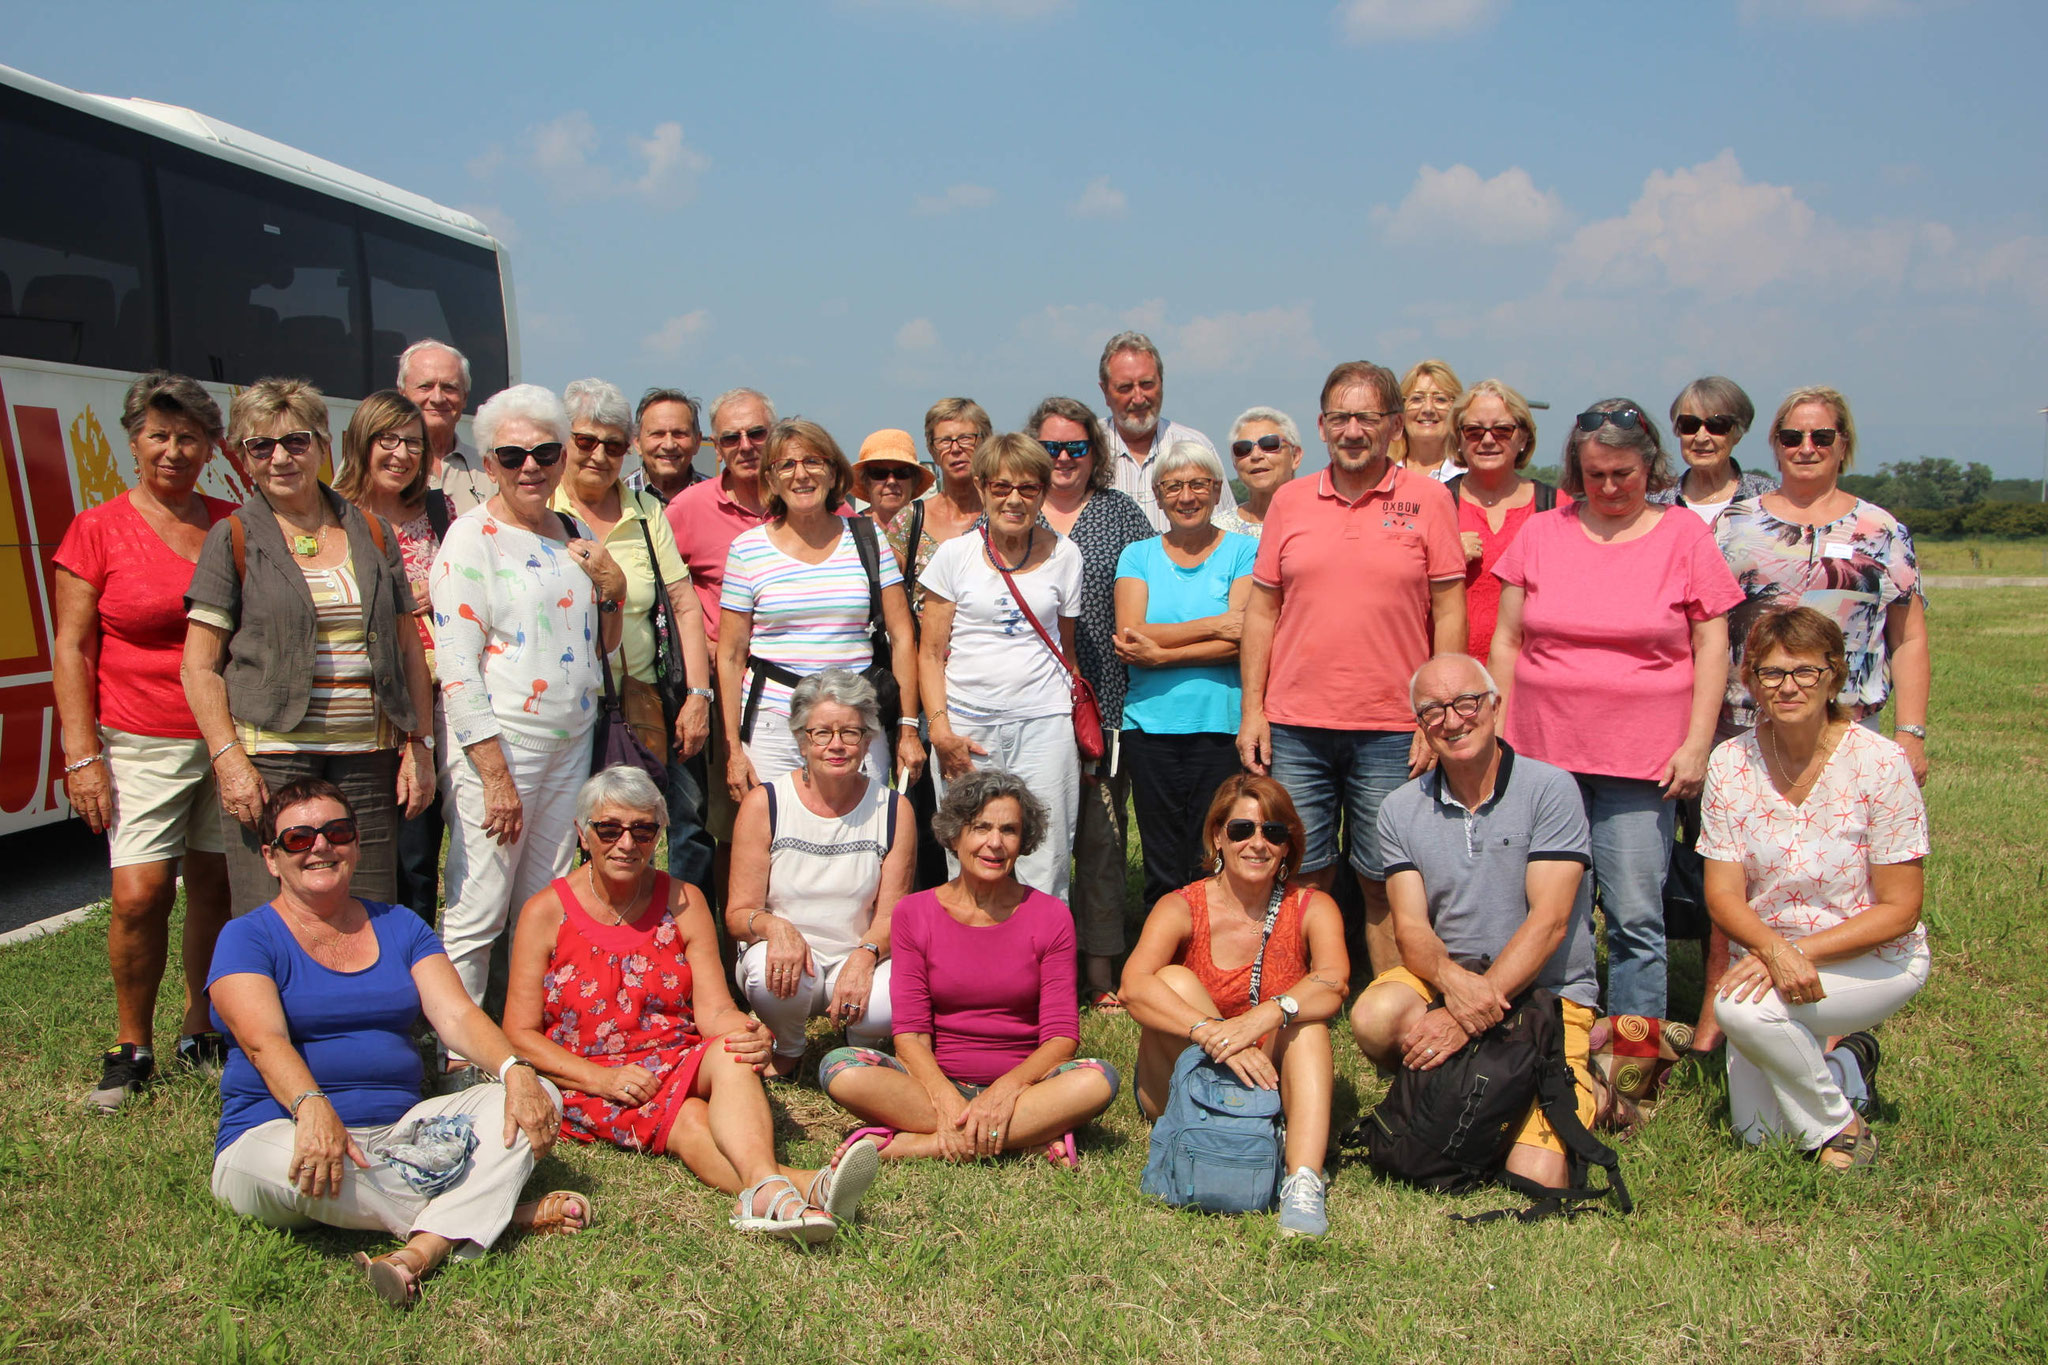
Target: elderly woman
column 1814, row 835
column 820, row 857
column 322, row 1120
column 954, row 429
column 1180, row 600
column 1428, row 393
column 1250, row 910
column 983, row 994
column 996, row 693
column 798, row 598
column 616, row 995
column 134, row 763
column 888, row 478
column 524, row 597
column 295, row 661
column 1493, row 433
column 1611, row 654
column 1710, row 416
column 1102, row 522
column 1266, row 447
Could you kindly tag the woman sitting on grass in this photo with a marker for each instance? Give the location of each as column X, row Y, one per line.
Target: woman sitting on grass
column 986, row 1018
column 321, row 1117
column 1814, row 835
column 613, row 967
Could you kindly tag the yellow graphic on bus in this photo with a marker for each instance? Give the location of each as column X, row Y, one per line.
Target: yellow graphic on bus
column 98, row 479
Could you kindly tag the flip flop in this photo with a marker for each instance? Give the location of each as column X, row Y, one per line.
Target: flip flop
column 1064, row 1152
column 1105, row 1001
column 838, row 1188
column 804, row 1224
column 880, row 1136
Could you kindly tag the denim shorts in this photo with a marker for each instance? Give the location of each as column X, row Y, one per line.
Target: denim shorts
column 1352, row 770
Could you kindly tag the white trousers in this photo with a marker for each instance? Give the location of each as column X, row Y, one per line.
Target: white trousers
column 786, row 1016
column 251, row 1178
column 1779, row 1080
column 1041, row 752
column 488, row 881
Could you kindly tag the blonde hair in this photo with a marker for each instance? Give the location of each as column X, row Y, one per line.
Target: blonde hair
column 802, row 431
column 1517, row 406
column 295, row 402
column 1820, row 393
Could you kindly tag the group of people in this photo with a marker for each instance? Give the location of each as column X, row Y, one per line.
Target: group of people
column 868, row 743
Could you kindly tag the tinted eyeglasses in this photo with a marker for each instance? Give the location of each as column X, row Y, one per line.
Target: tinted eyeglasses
column 1269, row 441
column 1238, row 831
column 1628, row 419
column 1466, row 704
column 300, row 838
column 1000, row 489
column 609, row 832
column 1474, row 433
column 1067, row 450
column 515, row 457
column 1720, row 424
column 730, row 440
column 614, row 446
column 295, row 443
column 1822, row 437
column 888, row 473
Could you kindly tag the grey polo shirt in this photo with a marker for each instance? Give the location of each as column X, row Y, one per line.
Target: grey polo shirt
column 1474, row 863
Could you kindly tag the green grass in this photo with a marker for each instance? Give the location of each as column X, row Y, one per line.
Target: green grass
column 2015, row 558
column 118, row 1251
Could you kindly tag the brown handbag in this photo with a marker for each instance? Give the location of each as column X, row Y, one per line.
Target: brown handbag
column 1087, row 713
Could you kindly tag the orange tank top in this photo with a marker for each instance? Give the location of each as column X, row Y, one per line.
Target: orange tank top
column 1286, row 952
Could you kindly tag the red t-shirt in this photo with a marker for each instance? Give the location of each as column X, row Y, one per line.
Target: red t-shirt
column 1354, row 597
column 1482, row 589
column 141, row 582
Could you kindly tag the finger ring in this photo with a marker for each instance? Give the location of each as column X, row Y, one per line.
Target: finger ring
column 1429, row 1052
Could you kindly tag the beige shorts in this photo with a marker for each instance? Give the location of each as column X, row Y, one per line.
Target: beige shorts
column 165, row 800
column 719, row 808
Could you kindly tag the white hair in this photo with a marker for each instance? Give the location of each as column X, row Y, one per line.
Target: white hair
column 837, row 685
column 529, row 401
column 1288, row 431
column 622, row 788
column 1492, row 687
column 733, row 395
column 597, row 402
column 421, row 347
column 1187, row 455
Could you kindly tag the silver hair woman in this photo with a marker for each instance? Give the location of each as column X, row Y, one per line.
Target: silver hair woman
column 1708, row 420
column 1265, row 445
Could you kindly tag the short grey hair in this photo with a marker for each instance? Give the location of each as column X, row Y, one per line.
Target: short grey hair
column 659, row 394
column 1643, row 439
column 173, row 394
column 1128, row 341
column 839, row 686
column 624, row 787
column 421, row 348
column 1187, row 455
column 1288, row 431
column 1478, row 668
column 969, row 796
column 734, row 395
column 529, row 401
column 598, row 402
column 1714, row 396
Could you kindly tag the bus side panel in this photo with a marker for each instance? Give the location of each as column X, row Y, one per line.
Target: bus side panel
column 29, row 760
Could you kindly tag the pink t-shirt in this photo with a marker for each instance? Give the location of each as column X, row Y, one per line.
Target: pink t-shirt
column 706, row 520
column 1354, row 597
column 141, row 582
column 1603, row 683
column 988, row 995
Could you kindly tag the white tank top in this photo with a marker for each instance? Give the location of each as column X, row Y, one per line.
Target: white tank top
column 823, row 872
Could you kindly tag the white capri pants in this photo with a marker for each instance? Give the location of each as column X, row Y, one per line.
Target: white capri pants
column 786, row 1016
column 1041, row 752
column 1779, row 1080
column 250, row 1178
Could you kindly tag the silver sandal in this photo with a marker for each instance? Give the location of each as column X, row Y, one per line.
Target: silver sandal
column 808, row 1225
column 839, row 1187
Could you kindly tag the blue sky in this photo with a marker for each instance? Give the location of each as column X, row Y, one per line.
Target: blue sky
column 863, row 205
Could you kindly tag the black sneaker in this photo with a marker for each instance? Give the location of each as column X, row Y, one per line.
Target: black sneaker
column 1863, row 1047
column 124, row 1070
column 203, row 1052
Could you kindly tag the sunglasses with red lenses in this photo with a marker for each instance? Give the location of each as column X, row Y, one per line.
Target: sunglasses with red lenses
column 300, row 838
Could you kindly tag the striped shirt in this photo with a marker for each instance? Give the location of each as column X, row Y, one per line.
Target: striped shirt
column 807, row 617
column 1133, row 477
column 342, row 715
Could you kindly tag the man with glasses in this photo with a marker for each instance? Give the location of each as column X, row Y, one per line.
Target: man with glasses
column 1133, row 380
column 1486, row 863
column 1360, row 578
column 667, row 437
column 436, row 376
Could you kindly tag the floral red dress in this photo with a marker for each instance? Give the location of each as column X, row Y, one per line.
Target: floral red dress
column 619, row 995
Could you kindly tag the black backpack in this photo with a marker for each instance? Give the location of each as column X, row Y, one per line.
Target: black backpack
column 1450, row 1129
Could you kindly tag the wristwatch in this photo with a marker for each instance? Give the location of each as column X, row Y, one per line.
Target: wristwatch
column 704, row 692
column 423, row 739
column 1916, row 731
column 1290, row 1008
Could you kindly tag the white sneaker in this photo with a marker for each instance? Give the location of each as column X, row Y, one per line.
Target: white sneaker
column 1301, row 1205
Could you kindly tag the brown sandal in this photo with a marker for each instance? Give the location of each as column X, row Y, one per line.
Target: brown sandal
column 551, row 1213
column 1860, row 1147
column 395, row 1275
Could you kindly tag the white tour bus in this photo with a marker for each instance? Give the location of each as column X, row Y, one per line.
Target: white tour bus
column 137, row 236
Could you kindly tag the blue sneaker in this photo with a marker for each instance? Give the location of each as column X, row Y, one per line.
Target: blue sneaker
column 1301, row 1205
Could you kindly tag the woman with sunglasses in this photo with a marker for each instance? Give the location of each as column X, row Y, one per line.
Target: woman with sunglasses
column 889, row 479
column 1493, row 435
column 317, row 991
column 299, row 658
column 1251, row 914
column 1611, row 654
column 1428, row 393
column 616, row 995
column 524, row 597
column 1102, row 522
column 1266, row 448
column 1710, row 417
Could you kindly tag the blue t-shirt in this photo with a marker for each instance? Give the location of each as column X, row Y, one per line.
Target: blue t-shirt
column 354, row 1029
column 1197, row 699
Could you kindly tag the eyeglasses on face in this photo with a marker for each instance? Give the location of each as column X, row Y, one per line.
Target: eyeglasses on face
column 1822, row 437
column 1428, row 400
column 1720, row 424
column 1336, row 421
column 295, row 443
column 609, row 832
column 1067, row 450
column 730, row 440
column 587, row 441
column 1473, row 433
column 391, row 440
column 1179, row 486
column 515, row 457
column 1806, row 675
column 999, row 489
column 1239, row 831
column 1466, row 704
column 845, row 734
column 809, row 464
column 888, row 473
column 966, row 440
column 300, row 838
column 1270, row 441
column 1628, row 419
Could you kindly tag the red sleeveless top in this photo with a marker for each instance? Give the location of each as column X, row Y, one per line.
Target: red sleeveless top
column 1286, row 952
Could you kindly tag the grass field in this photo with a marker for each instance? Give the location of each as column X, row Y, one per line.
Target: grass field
column 2006, row 557
column 119, row 1251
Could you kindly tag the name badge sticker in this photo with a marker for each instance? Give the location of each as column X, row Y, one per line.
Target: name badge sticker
column 1835, row 549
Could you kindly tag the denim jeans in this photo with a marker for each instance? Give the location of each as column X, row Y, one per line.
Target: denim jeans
column 1352, row 771
column 1632, row 827
column 689, row 842
column 1173, row 780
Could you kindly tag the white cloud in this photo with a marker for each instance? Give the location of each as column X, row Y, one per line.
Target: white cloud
column 676, row 335
column 1457, row 204
column 955, row 198
column 1099, row 200
column 1372, row 21
column 1236, row 342
column 565, row 153
column 918, row 334
column 486, row 163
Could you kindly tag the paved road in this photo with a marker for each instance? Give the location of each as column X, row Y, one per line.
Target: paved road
column 1940, row 581
column 50, row 870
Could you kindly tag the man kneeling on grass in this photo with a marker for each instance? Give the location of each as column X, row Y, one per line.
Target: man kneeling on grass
column 1486, row 859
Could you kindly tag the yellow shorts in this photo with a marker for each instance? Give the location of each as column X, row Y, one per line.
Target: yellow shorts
column 1578, row 1044
column 165, row 800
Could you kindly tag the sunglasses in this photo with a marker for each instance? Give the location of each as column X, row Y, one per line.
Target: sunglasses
column 1499, row 431
column 1628, row 419
column 1000, row 489
column 515, row 457
column 295, row 443
column 609, row 832
column 1720, row 424
column 1067, row 450
column 300, row 838
column 391, row 440
column 889, row 473
column 1269, row 441
column 1238, row 831
column 614, row 446
column 1822, row 437
column 730, row 440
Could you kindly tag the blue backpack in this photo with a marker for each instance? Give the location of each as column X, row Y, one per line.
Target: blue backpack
column 1218, row 1144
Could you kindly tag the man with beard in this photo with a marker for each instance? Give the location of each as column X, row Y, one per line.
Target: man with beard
column 436, row 376
column 1134, row 385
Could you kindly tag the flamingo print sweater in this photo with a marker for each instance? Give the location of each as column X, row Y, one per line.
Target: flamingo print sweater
column 515, row 635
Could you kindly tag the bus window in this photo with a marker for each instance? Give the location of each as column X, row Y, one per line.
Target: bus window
column 75, row 282
column 422, row 288
column 260, row 286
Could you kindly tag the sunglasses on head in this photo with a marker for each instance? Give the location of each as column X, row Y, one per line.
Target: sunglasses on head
column 515, row 457
column 1720, row 424
column 1628, row 419
column 1822, row 437
column 609, row 832
column 1238, row 831
column 730, row 440
column 1067, row 450
column 1269, row 441
column 614, row 446
column 300, row 838
column 295, row 443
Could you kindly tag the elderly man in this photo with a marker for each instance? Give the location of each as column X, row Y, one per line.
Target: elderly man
column 436, row 376
column 1134, row 385
column 1359, row 569
column 1486, row 870
column 1266, row 445
column 667, row 436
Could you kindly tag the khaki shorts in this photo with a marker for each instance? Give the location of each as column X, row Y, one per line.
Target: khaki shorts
column 165, row 799
column 719, row 809
column 1578, row 1044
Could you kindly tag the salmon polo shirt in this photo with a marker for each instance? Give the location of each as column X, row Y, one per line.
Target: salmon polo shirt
column 1354, row 581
